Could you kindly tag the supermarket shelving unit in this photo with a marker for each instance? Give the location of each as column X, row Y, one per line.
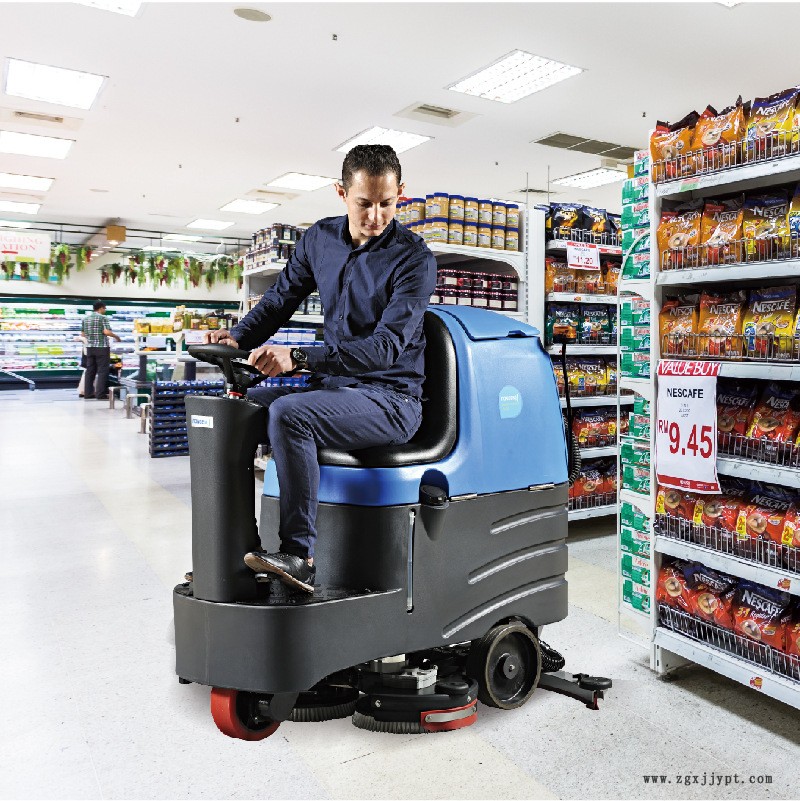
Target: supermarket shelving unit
column 538, row 249
column 677, row 640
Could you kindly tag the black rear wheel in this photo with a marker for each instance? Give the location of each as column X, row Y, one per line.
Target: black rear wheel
column 507, row 663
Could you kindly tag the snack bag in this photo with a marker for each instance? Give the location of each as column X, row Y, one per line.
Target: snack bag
column 678, row 236
column 768, row 322
column 721, row 232
column 576, row 377
column 611, row 376
column 677, row 322
column 792, row 636
column 590, row 427
column 761, row 614
column 558, row 277
column 764, row 225
column 590, row 479
column 721, row 324
column 595, row 324
column 611, row 271
column 609, row 471
column 706, row 590
column 769, row 125
column 716, row 138
column 735, row 403
column 671, row 587
column 793, row 222
column 615, row 221
column 777, row 416
column 595, row 222
column 769, row 514
column 670, row 146
column 559, row 375
column 676, row 503
column 596, row 376
column 565, row 218
column 562, row 322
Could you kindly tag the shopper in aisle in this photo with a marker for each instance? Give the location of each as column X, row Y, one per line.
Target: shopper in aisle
column 375, row 279
column 95, row 331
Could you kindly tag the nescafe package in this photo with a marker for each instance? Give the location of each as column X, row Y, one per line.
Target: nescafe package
column 776, row 417
column 761, row 614
column 676, row 503
column 671, row 587
column 768, row 515
column 735, row 403
column 708, row 597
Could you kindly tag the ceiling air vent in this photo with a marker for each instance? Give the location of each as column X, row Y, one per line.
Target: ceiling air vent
column 535, row 192
column 585, row 145
column 437, row 111
column 437, row 115
column 29, row 115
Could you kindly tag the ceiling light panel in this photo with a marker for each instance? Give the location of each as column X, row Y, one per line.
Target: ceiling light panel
column 242, row 206
column 591, row 178
column 22, row 144
column 181, row 238
column 399, row 140
column 10, row 180
column 300, row 181
column 130, row 8
column 514, row 76
column 52, row 84
column 14, row 224
column 210, row 225
column 19, row 208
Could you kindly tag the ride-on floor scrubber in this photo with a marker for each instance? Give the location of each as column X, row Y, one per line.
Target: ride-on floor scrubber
column 439, row 560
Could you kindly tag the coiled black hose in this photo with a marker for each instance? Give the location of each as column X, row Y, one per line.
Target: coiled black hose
column 552, row 661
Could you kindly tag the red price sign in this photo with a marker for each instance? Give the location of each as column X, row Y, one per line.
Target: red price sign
column 686, row 426
column 583, row 256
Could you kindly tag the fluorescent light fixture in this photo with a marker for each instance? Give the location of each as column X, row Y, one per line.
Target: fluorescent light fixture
column 729, row 3
column 181, row 238
column 301, row 181
column 22, row 144
column 210, row 225
column 399, row 140
column 9, row 180
column 130, row 8
column 19, row 208
column 242, row 206
column 52, row 84
column 14, row 224
column 591, row 178
column 514, row 76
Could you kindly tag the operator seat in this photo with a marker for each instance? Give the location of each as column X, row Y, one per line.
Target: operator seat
column 438, row 431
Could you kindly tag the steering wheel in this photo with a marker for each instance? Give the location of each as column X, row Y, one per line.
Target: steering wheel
column 240, row 375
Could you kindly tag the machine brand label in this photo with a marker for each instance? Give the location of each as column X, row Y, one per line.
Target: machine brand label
column 202, row 421
column 510, row 402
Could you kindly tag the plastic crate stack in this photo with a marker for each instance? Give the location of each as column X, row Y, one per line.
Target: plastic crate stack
column 168, row 435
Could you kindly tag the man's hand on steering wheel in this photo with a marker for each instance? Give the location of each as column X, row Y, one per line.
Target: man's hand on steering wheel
column 272, row 360
column 220, row 337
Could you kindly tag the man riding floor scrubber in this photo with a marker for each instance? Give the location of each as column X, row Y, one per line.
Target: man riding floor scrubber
column 439, row 560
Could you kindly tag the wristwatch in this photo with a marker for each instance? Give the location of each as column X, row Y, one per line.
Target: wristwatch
column 300, row 358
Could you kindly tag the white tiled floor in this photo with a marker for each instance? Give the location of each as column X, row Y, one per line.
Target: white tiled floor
column 94, row 534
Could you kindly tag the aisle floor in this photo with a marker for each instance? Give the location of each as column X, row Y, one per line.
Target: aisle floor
column 93, row 536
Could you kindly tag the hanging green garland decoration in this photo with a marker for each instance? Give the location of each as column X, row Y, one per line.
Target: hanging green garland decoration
column 210, row 277
column 8, row 269
column 116, row 272
column 195, row 271
column 83, row 255
column 44, row 272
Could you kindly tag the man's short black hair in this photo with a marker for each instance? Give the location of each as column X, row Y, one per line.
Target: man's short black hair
column 98, row 304
column 375, row 160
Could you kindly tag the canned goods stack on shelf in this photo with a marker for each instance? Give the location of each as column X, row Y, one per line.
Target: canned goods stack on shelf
column 168, row 435
column 272, row 246
column 494, row 291
column 312, row 305
column 462, row 220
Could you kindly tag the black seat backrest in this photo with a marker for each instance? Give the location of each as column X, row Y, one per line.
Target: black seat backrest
column 438, row 430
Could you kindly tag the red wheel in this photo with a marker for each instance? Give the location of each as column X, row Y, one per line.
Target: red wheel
column 236, row 714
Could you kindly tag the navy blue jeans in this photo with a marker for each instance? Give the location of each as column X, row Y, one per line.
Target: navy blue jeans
column 302, row 419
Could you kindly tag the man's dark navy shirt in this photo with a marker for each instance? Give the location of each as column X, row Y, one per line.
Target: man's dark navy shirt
column 373, row 298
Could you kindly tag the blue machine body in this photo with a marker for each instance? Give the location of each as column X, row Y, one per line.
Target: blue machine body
column 510, row 429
